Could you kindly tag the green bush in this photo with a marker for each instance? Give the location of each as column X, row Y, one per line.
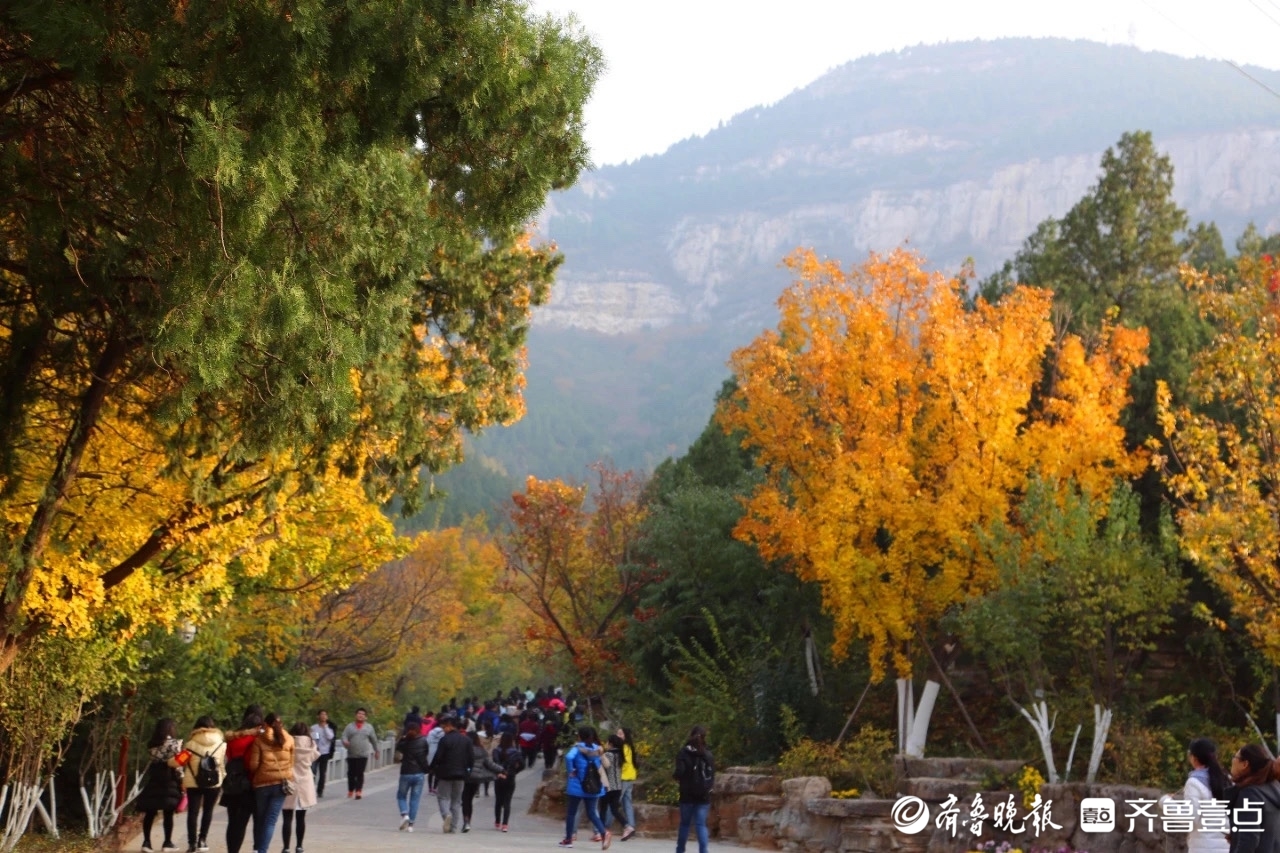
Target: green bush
column 864, row 761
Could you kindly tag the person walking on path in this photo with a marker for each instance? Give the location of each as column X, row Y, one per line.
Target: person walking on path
column 1257, row 792
column 305, row 754
column 452, row 766
column 582, row 762
column 270, row 765
column 612, row 799
column 511, row 759
column 237, row 788
column 627, row 775
column 529, row 732
column 325, row 737
column 483, row 771
column 695, row 771
column 550, row 732
column 162, row 790
column 202, row 774
column 361, row 742
column 413, row 750
column 434, row 736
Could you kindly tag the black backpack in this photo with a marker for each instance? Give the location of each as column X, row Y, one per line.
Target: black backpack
column 237, row 779
column 206, row 772
column 512, row 761
column 701, row 777
column 591, row 784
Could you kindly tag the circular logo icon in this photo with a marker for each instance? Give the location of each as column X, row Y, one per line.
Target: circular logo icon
column 910, row 815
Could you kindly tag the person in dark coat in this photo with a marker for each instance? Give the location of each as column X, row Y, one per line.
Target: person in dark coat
column 451, row 765
column 413, row 749
column 1255, row 801
column 162, row 790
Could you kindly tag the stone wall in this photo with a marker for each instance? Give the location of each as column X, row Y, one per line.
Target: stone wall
column 760, row 810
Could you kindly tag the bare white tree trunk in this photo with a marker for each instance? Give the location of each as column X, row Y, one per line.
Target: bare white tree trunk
column 1101, row 725
column 919, row 731
column 906, row 711
column 1043, row 725
column 811, row 662
column 1071, row 756
column 22, row 800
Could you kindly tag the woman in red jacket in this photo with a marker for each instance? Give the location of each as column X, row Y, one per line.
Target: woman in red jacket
column 237, row 790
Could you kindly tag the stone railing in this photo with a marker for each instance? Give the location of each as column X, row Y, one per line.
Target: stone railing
column 761, row 810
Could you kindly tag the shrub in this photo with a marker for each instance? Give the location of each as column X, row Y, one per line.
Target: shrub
column 864, row 761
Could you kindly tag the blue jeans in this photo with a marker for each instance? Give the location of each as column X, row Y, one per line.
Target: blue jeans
column 268, row 801
column 409, row 794
column 696, row 814
column 627, row 808
column 571, row 819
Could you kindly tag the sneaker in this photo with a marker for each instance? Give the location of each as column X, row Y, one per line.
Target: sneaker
column 359, row 795
column 202, row 846
column 448, row 823
column 146, row 847
column 350, row 794
column 409, row 828
column 404, row 823
column 466, row 827
column 169, row 847
column 297, row 850
column 286, row 850
column 608, row 839
column 497, row 825
column 627, row 833
column 568, row 842
column 504, row 827
column 191, row 848
column 595, row 836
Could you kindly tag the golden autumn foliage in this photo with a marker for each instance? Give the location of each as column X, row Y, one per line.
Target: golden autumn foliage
column 570, row 562
column 1224, row 468
column 894, row 423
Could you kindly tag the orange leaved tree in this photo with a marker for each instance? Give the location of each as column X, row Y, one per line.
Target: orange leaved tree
column 894, row 421
column 571, row 562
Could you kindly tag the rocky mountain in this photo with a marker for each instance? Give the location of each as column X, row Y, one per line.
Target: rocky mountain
column 958, row 150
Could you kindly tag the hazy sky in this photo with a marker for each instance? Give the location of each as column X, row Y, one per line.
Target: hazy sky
column 679, row 67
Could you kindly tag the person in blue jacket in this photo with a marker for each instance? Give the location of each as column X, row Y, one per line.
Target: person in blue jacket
column 582, row 763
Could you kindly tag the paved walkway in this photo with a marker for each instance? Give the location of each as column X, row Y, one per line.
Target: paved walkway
column 371, row 825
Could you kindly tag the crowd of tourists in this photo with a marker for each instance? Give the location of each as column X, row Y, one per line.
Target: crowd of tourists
column 267, row 777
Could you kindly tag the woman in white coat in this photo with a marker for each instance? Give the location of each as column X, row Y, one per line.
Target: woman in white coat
column 1207, row 782
column 303, row 797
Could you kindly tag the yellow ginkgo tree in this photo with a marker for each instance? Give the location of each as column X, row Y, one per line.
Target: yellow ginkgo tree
column 894, row 421
column 1224, row 461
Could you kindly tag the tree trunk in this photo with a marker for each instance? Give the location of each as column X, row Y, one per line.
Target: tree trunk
column 906, row 711
column 920, row 723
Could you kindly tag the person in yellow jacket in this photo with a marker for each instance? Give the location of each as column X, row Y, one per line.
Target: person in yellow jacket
column 627, row 775
column 269, row 763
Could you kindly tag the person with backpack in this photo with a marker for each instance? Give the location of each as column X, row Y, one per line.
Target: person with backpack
column 304, row 794
column 204, row 765
column 325, row 737
column 483, row 771
column 511, row 759
column 696, row 773
column 582, row 763
column 237, row 788
column 528, row 732
column 162, row 789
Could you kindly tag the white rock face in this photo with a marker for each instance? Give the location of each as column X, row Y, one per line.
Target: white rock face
column 1226, row 174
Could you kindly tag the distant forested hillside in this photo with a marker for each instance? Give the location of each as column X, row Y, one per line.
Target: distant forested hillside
column 958, row 150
